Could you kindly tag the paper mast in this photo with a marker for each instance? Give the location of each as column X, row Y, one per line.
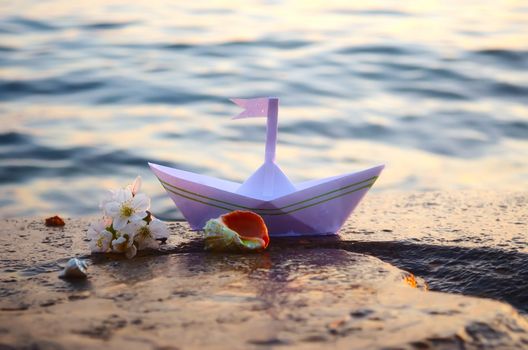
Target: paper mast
column 268, row 180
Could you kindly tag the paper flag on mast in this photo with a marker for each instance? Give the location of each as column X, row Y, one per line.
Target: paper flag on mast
column 317, row 207
column 269, row 180
column 253, row 107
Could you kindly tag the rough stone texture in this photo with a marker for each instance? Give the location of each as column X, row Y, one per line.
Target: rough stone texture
column 302, row 292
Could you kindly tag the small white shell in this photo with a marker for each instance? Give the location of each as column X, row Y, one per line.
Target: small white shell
column 75, row 268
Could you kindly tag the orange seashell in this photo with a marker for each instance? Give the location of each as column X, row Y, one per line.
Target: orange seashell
column 236, row 231
column 247, row 224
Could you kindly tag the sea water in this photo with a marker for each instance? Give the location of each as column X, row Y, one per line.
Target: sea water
column 91, row 91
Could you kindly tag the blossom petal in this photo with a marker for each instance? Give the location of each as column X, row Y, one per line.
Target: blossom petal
column 123, row 195
column 141, row 202
column 112, row 209
column 136, row 186
column 106, row 221
column 131, row 229
column 109, row 197
column 159, row 229
column 119, row 222
column 137, row 216
column 101, row 243
column 107, row 239
column 94, row 248
column 118, row 244
column 93, row 230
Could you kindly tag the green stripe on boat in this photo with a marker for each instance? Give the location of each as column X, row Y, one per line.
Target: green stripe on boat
column 373, row 178
column 260, row 211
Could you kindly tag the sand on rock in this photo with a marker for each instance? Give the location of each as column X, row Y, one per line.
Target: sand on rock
column 301, row 293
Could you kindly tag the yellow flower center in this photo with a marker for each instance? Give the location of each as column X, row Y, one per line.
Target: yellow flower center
column 127, row 211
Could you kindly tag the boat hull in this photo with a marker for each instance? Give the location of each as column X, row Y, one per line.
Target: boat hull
column 315, row 208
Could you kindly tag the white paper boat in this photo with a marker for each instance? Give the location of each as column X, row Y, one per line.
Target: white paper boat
column 317, row 207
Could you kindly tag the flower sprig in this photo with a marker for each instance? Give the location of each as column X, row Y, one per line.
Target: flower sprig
column 127, row 225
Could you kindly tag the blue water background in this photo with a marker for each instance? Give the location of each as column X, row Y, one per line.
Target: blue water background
column 91, row 91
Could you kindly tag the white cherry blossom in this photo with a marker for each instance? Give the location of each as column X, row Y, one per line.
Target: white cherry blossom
column 127, row 208
column 100, row 237
column 145, row 235
column 124, row 227
column 109, row 197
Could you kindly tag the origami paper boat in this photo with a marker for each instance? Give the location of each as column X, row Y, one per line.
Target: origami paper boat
column 317, row 207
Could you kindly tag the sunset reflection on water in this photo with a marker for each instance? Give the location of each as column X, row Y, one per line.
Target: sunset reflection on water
column 92, row 91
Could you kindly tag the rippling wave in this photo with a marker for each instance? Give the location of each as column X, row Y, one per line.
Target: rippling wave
column 87, row 97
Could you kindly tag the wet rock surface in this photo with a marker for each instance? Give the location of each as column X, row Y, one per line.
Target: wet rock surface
column 301, row 293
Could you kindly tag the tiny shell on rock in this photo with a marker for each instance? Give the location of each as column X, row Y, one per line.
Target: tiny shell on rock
column 75, row 269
